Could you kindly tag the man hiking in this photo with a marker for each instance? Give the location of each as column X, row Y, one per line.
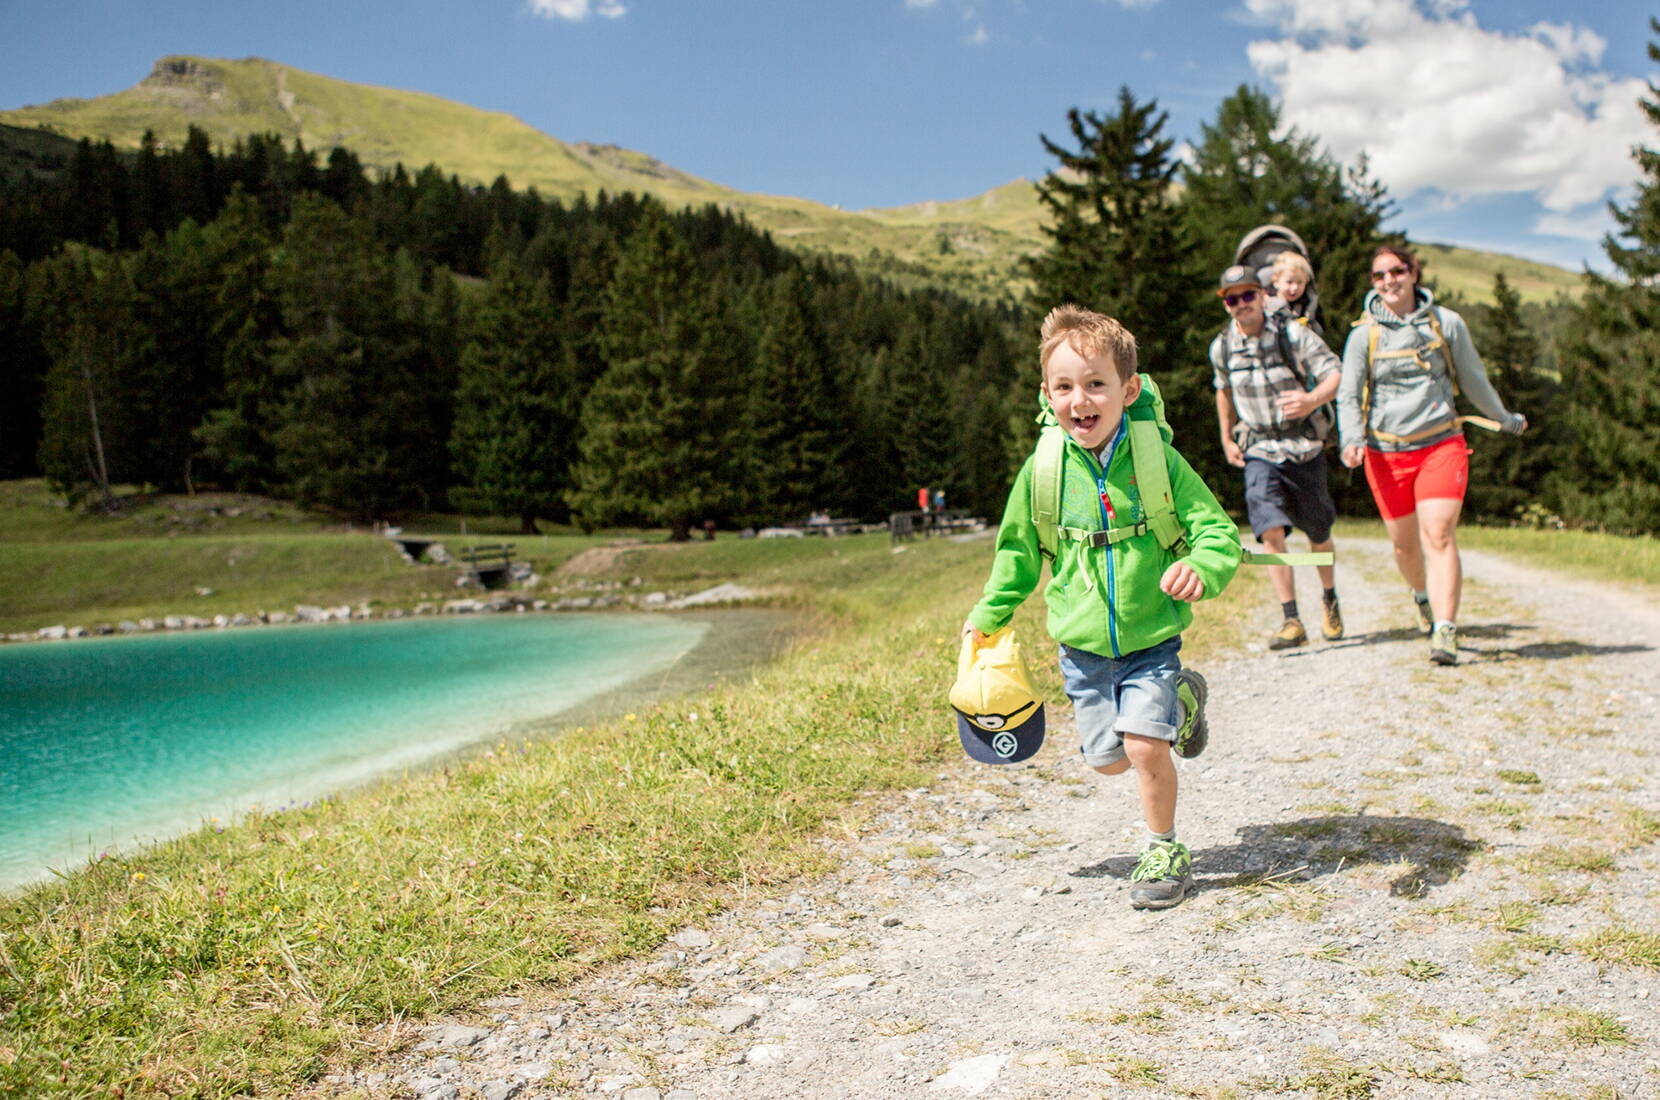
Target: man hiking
column 1272, row 380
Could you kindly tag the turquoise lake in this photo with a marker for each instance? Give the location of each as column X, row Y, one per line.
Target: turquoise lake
column 108, row 743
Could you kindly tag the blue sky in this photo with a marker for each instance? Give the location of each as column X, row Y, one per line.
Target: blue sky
column 1499, row 125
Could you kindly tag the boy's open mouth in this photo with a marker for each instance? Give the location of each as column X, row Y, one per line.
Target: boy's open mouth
column 1085, row 423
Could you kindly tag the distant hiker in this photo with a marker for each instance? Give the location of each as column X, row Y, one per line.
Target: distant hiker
column 1133, row 536
column 1404, row 362
column 709, row 530
column 1293, row 279
column 939, row 500
column 1272, row 378
column 922, row 499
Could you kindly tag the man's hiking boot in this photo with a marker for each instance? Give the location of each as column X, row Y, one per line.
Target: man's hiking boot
column 1331, row 620
column 1443, row 645
column 1426, row 617
column 1192, row 730
column 1163, row 876
column 1290, row 633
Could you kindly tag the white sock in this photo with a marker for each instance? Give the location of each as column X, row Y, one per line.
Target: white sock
column 1439, row 623
column 1420, row 595
column 1160, row 838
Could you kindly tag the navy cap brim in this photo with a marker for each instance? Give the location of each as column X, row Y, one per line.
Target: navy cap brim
column 1006, row 746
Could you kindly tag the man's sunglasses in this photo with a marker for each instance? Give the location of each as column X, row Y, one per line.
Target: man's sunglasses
column 1245, row 296
column 1396, row 272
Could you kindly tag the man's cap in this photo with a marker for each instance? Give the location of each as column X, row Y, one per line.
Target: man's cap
column 1238, row 275
column 999, row 715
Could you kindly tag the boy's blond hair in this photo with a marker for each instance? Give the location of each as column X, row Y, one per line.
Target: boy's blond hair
column 1292, row 261
column 1089, row 334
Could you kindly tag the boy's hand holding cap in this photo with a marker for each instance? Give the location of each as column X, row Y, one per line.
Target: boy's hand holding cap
column 999, row 715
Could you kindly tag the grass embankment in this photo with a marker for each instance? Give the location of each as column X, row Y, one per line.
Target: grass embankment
column 221, row 963
column 153, row 558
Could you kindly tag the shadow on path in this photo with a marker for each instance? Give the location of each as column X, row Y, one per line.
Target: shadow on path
column 1483, row 632
column 1431, row 853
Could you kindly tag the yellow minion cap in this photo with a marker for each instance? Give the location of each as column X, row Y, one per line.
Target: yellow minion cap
column 992, row 682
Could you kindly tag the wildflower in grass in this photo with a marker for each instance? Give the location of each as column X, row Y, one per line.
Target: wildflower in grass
column 630, row 718
column 138, row 876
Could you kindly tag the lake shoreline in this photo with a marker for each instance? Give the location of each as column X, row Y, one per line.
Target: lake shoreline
column 734, row 642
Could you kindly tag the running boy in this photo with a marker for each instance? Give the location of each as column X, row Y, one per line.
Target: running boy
column 1118, row 599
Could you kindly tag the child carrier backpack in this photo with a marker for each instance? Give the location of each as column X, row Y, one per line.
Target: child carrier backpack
column 1147, row 433
column 1258, row 248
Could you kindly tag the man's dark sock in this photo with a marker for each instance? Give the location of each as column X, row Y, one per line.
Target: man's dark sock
column 1290, row 608
column 1331, row 595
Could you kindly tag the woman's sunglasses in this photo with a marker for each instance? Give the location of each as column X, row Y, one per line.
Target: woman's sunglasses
column 1396, row 272
column 1246, row 296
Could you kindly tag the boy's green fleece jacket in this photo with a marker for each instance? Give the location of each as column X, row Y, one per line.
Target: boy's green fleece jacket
column 1106, row 600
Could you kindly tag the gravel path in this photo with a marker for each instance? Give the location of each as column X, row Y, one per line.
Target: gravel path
column 1414, row 881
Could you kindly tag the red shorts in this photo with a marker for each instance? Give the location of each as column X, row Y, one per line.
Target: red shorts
column 1400, row 479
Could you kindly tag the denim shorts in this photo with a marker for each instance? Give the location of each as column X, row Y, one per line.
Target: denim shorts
column 1135, row 693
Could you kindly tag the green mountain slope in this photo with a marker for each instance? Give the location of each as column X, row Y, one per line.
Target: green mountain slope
column 969, row 245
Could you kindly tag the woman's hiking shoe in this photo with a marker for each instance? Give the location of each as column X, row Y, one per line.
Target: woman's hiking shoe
column 1331, row 620
column 1426, row 617
column 1443, row 645
column 1163, row 876
column 1192, row 731
column 1290, row 633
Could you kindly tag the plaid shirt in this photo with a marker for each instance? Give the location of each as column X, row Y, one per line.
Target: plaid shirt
column 1255, row 373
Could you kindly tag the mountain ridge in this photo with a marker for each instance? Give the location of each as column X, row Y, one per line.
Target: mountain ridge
column 972, row 245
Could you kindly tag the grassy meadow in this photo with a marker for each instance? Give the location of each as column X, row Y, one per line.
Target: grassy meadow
column 229, row 962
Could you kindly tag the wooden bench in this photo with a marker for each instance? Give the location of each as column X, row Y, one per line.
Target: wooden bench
column 903, row 525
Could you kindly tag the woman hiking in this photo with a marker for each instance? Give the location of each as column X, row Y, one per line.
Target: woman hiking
column 1404, row 362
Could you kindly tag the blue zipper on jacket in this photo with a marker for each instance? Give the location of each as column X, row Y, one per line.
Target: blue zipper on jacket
column 1106, row 524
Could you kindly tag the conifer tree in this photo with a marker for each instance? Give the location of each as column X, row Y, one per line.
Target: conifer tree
column 89, row 441
column 233, row 435
column 351, row 429
column 1248, row 171
column 22, row 371
column 799, row 429
column 659, row 426
column 1508, row 473
column 1610, row 363
column 1117, row 245
column 515, row 414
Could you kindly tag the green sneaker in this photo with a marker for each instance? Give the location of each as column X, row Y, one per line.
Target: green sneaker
column 1192, row 731
column 1426, row 617
column 1162, row 877
column 1443, row 645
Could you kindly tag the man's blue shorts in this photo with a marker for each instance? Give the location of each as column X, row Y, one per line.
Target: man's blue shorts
column 1289, row 494
column 1134, row 694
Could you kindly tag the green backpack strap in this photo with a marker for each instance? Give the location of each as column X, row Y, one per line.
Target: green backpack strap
column 1046, row 485
column 1152, row 477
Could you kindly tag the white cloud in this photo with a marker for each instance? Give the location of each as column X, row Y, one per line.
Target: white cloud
column 1589, row 226
column 979, row 36
column 1138, row 3
column 578, row 10
column 920, row 3
column 1439, row 103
